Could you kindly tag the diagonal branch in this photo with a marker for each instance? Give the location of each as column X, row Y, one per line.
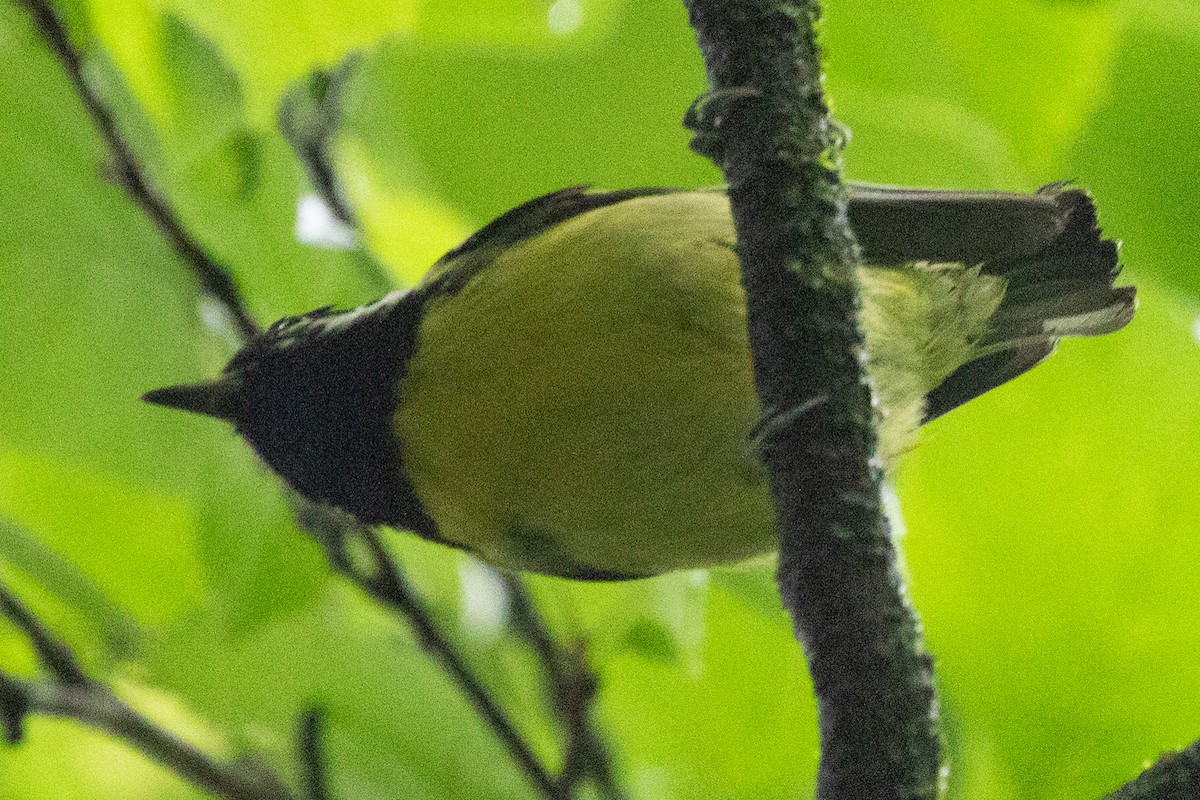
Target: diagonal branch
column 69, row 693
column 382, row 579
column 213, row 278
column 572, row 687
column 54, row 655
column 765, row 123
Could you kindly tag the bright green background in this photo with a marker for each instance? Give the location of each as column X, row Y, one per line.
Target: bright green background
column 1053, row 525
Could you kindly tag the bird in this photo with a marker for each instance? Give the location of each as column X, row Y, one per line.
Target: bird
column 569, row 391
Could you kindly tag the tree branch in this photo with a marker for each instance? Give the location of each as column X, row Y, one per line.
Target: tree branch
column 311, row 755
column 383, row 580
column 69, row 693
column 1175, row 776
column 213, row 278
column 53, row 654
column 572, row 687
column 765, row 123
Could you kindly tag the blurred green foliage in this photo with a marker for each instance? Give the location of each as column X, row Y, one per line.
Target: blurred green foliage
column 1053, row 525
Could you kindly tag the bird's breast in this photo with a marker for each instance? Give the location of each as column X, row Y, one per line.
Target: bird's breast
column 582, row 404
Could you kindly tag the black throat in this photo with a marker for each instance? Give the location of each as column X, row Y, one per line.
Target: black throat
column 321, row 393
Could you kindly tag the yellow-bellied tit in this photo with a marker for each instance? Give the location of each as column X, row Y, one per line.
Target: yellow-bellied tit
column 569, row 391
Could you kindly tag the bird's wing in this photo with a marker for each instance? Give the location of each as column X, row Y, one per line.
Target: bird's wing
column 525, row 221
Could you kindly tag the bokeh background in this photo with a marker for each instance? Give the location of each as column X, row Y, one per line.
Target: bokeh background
column 1053, row 526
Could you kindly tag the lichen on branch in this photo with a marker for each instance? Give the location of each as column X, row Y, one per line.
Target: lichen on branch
column 765, row 123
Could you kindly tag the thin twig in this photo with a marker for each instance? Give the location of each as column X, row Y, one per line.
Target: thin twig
column 71, row 694
column 311, row 755
column 14, row 708
column 309, row 116
column 383, row 580
column 573, row 689
column 387, row 584
column 213, row 278
column 54, row 654
column 98, row 707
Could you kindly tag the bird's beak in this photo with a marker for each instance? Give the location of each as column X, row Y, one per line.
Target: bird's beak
column 221, row 398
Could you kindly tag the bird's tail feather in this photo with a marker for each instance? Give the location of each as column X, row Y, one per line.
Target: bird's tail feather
column 1065, row 288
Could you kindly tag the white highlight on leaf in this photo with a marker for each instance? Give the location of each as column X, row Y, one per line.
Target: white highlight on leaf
column 652, row 782
column 1196, row 330
column 564, row 17
column 318, row 226
column 484, row 599
column 216, row 320
column 213, row 315
column 680, row 603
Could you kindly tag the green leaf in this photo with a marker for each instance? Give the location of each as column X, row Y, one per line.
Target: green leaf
column 138, row 546
column 1036, row 69
column 1051, row 535
column 736, row 722
column 65, row 580
column 1006, row 85
column 397, row 726
column 482, row 129
column 1141, row 152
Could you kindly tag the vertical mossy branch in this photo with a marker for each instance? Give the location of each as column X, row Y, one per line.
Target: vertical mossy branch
column 765, row 123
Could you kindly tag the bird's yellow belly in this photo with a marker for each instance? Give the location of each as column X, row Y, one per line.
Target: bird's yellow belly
column 584, row 407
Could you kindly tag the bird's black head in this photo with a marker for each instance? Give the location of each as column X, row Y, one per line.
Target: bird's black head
column 315, row 396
